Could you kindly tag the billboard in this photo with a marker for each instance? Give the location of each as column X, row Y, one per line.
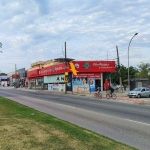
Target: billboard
column 56, row 87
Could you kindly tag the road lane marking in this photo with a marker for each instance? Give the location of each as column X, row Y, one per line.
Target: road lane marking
column 82, row 109
column 72, row 107
column 137, row 122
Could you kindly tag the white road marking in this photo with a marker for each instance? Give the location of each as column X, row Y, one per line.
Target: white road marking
column 138, row 122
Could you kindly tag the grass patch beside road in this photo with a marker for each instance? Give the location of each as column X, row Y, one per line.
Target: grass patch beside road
column 23, row 128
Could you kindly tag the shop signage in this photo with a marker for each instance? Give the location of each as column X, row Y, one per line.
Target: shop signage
column 101, row 64
column 33, row 73
column 95, row 66
column 75, row 67
column 88, row 75
column 54, row 79
column 55, row 69
column 17, row 76
column 66, row 77
column 56, row 87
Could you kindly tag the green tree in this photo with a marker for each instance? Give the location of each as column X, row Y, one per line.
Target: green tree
column 143, row 71
column 3, row 74
column 133, row 72
column 124, row 74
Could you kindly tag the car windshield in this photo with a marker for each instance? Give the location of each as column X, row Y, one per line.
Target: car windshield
column 137, row 89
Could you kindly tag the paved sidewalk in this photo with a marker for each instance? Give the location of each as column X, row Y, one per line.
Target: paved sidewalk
column 122, row 97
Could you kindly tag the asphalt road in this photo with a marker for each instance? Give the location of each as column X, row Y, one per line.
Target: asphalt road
column 124, row 122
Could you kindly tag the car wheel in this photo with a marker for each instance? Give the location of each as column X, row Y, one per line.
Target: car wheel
column 130, row 96
column 138, row 96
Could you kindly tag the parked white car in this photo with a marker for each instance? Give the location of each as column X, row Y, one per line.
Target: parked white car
column 139, row 92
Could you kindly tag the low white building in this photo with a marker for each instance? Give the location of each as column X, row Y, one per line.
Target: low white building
column 4, row 81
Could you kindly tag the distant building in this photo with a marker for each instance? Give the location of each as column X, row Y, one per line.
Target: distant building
column 138, row 82
column 18, row 78
column 4, row 80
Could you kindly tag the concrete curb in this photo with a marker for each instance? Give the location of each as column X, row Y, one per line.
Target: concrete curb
column 121, row 97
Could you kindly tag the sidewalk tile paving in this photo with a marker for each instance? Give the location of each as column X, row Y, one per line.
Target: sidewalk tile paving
column 122, row 97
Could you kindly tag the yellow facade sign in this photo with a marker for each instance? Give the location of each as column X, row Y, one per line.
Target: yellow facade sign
column 73, row 69
column 66, row 79
column 66, row 73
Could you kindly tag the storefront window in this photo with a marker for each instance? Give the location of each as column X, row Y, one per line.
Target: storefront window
column 39, row 83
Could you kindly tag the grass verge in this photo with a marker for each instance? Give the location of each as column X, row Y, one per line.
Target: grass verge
column 23, row 128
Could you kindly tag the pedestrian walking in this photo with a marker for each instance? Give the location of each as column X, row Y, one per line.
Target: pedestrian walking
column 124, row 87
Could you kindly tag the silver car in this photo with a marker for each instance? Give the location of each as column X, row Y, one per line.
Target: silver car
column 139, row 92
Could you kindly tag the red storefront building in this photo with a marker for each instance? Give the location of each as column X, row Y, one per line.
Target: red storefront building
column 90, row 75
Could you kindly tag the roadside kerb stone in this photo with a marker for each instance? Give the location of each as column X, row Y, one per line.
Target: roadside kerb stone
column 120, row 96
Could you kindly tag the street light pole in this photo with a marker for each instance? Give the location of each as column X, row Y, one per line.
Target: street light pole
column 128, row 60
column 65, row 70
column 1, row 47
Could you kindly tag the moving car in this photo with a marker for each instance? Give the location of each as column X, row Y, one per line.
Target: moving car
column 139, row 92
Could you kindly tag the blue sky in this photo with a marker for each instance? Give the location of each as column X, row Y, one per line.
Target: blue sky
column 36, row 30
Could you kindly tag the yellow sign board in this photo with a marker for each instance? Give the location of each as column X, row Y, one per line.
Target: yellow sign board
column 66, row 79
column 66, row 73
column 73, row 69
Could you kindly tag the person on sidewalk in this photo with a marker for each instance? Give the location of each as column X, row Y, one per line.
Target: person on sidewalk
column 98, row 90
column 111, row 90
column 124, row 87
column 106, row 84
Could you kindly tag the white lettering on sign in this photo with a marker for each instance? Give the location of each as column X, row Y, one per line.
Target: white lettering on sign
column 52, row 69
column 100, row 64
column 59, row 68
column 44, row 71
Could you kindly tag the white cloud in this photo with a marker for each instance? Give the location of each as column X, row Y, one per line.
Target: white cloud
column 92, row 29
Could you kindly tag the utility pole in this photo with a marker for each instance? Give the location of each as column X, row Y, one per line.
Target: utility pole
column 119, row 72
column 107, row 55
column 65, row 70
